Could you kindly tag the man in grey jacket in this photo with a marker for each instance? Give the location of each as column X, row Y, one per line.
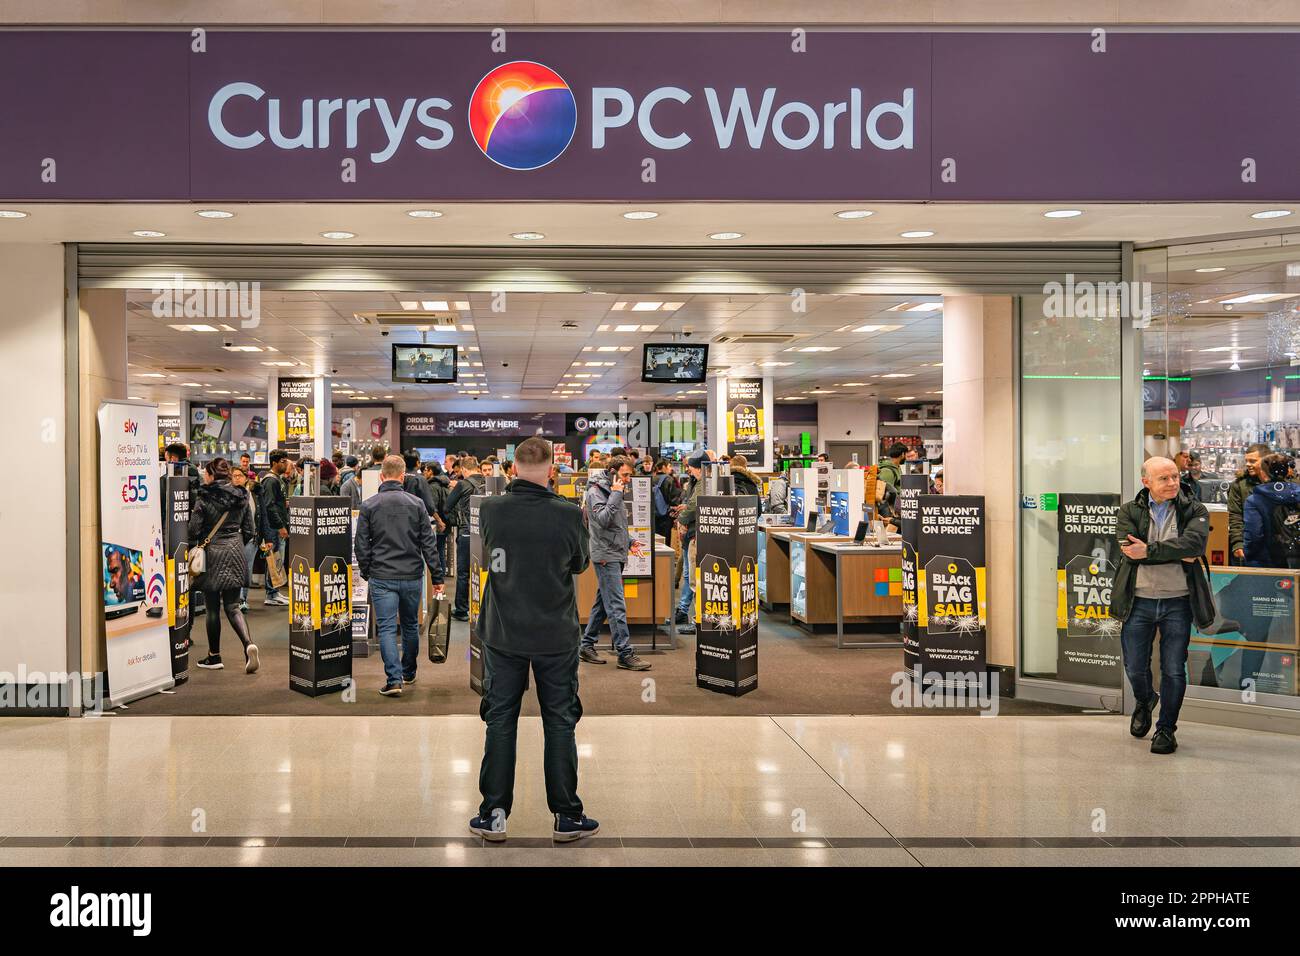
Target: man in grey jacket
column 606, row 517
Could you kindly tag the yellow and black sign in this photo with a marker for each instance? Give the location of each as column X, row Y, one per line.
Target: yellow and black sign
column 745, row 431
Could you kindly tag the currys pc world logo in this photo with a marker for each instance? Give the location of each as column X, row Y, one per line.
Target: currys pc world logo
column 523, row 116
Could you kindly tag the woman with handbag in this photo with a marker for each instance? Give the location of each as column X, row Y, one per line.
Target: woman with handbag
column 221, row 522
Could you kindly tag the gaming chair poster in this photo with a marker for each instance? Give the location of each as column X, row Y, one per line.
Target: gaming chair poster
column 910, row 489
column 295, row 413
column 131, row 552
column 952, row 613
column 726, row 594
column 745, row 419
column 1256, row 606
column 1087, row 555
column 320, row 594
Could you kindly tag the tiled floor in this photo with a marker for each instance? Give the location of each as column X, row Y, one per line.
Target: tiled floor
column 863, row 791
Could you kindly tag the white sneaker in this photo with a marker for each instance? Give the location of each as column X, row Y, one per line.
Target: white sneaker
column 278, row 601
column 252, row 663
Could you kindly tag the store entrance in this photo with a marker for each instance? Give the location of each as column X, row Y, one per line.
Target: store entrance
column 343, row 375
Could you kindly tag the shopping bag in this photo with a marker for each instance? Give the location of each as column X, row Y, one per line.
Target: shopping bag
column 275, row 569
column 439, row 636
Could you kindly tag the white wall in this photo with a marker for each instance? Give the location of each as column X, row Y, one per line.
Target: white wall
column 33, row 513
column 847, row 419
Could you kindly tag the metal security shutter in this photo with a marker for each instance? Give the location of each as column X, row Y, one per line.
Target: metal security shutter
column 1006, row 269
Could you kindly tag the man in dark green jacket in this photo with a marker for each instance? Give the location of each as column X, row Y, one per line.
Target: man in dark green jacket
column 1159, row 585
column 534, row 542
column 1238, row 492
column 890, row 469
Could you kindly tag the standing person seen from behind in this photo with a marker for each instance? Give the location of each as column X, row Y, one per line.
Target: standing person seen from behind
column 394, row 545
column 456, row 513
column 221, row 523
column 529, row 619
column 275, row 505
column 1159, row 584
column 1271, row 519
column 605, row 512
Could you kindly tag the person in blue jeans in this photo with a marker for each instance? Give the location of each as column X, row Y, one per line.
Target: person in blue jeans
column 685, row 611
column 1159, row 585
column 606, row 515
column 394, row 545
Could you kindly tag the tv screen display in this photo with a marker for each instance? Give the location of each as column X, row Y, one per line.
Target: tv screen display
column 424, row 364
column 675, row 364
column 123, row 576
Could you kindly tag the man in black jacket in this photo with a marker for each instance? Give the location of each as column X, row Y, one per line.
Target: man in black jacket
column 456, row 512
column 534, row 542
column 394, row 544
column 275, row 505
column 1159, row 584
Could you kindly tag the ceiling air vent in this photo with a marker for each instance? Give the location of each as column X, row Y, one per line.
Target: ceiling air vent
column 409, row 320
column 755, row 338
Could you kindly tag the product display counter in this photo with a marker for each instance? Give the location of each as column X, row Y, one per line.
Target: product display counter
column 864, row 582
column 774, row 543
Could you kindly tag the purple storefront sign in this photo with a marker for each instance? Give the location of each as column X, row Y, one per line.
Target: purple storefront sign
column 723, row 116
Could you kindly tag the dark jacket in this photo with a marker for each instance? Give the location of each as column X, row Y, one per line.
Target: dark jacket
column 690, row 499
column 1193, row 522
column 1262, row 523
column 275, row 502
column 415, row 484
column 225, row 564
column 530, row 603
column 606, row 516
column 1238, row 492
column 394, row 541
column 456, row 510
column 745, row 482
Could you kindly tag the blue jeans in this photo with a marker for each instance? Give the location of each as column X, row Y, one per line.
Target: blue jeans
column 687, row 603
column 1173, row 616
column 609, row 605
column 250, row 553
column 281, row 546
column 394, row 600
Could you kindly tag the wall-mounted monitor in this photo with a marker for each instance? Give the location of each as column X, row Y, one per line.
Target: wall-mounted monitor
column 674, row 363
column 424, row 364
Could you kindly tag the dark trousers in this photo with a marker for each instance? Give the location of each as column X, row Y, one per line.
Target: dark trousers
column 462, row 572
column 504, row 679
column 1173, row 616
column 229, row 599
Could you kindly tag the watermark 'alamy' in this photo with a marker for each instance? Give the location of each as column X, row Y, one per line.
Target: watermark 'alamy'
column 202, row 299
column 38, row 690
column 932, row 690
column 1098, row 300
column 75, row 908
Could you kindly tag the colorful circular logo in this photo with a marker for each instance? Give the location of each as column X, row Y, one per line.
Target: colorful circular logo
column 522, row 115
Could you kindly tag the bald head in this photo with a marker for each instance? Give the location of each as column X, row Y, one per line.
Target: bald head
column 1160, row 476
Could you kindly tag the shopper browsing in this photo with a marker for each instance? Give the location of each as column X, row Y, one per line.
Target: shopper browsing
column 352, row 487
column 275, row 501
column 604, row 510
column 394, row 545
column 890, row 470
column 1159, row 584
column 686, row 528
column 222, row 523
column 1238, row 492
column 529, row 620
column 743, row 480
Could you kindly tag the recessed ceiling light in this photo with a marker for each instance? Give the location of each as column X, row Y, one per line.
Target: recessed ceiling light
column 851, row 384
column 462, row 305
column 191, row 385
column 646, row 306
column 1062, row 213
column 625, row 328
column 907, row 398
column 898, row 375
column 1213, row 269
column 672, row 306
column 774, row 364
column 641, row 214
column 242, row 348
column 135, row 398
column 527, row 235
column 424, row 213
column 12, row 214
column 148, row 234
column 434, row 305
column 854, row 214
column 916, row 234
column 1270, row 214
column 1260, row 297
column 877, row 328
column 338, row 235
column 214, row 214
column 722, row 236
column 152, row 375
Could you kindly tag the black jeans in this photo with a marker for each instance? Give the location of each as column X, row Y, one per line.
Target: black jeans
column 504, row 677
column 462, row 572
column 229, row 599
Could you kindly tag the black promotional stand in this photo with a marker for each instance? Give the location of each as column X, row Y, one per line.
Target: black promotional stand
column 177, row 490
column 726, row 594
column 496, row 485
column 950, row 589
column 910, row 489
column 320, row 594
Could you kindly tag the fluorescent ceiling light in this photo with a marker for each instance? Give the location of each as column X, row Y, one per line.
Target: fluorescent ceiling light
column 815, row 348
column 242, row 348
column 410, row 306
column 281, row 364
column 774, row 364
column 618, row 306
column 626, row 328
column 646, row 306
column 854, row 214
column 925, row 307
column 434, row 305
column 193, row 328
column 917, row 234
column 898, row 375
column 12, row 214
column 722, row 237
column 220, row 391
column 338, row 235
column 672, row 306
column 466, row 327
column 214, row 214
column 1228, row 348
column 151, row 375
column 625, row 348
column 907, row 398
column 528, row 235
column 877, row 328
column 851, row 384
column 148, row 234
column 191, row 385
column 649, row 328
column 424, row 213
column 1260, row 297
column 1213, row 269
column 1270, row 214
column 462, row 305
column 1062, row 213
column 607, row 348
column 641, row 214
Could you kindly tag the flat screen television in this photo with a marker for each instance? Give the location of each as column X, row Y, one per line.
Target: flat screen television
column 424, row 364
column 123, row 569
column 674, row 363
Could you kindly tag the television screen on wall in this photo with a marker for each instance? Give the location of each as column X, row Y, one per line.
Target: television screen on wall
column 424, row 364
column 675, row 364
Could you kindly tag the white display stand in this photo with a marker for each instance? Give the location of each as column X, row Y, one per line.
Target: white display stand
column 844, row 499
